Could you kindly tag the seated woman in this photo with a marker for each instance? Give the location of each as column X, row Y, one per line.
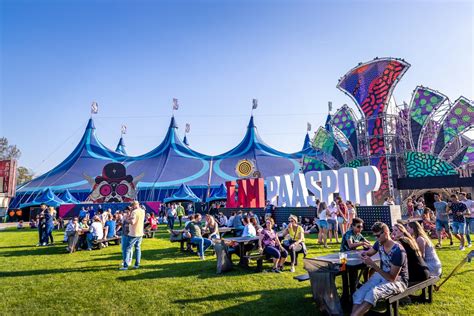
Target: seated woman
column 147, row 226
column 256, row 225
column 212, row 227
column 152, row 222
column 83, row 230
column 270, row 245
column 417, row 269
column 20, row 225
column 294, row 242
column 429, row 222
column 427, row 249
column 249, row 228
column 72, row 232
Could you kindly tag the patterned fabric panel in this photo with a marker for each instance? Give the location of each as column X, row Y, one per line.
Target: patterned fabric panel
column 425, row 165
column 469, row 156
column 344, row 120
column 424, row 102
column 459, row 119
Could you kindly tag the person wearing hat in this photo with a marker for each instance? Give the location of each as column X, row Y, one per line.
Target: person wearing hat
column 294, row 240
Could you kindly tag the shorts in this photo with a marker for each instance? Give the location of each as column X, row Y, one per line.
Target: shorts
column 332, row 224
column 377, row 288
column 323, row 224
column 440, row 224
column 459, row 228
column 340, row 220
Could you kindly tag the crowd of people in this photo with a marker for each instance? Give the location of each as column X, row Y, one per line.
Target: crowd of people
column 437, row 223
column 407, row 253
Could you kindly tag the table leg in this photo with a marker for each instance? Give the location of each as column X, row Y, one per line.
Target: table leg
column 345, row 297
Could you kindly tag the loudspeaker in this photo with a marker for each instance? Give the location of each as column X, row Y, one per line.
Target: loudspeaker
column 386, row 214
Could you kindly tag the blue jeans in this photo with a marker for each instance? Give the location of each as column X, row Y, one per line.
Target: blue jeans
column 90, row 238
column 201, row 243
column 469, row 223
column 124, row 245
column 171, row 222
column 133, row 242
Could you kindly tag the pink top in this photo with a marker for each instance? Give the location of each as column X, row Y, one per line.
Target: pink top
column 269, row 238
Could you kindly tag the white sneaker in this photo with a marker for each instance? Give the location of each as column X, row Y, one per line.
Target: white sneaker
column 462, row 248
column 469, row 245
column 292, row 269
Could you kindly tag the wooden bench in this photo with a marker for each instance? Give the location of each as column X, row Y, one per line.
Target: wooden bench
column 258, row 258
column 392, row 302
column 100, row 242
column 150, row 233
column 301, row 278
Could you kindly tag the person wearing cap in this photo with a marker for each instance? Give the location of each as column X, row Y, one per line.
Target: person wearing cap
column 294, row 240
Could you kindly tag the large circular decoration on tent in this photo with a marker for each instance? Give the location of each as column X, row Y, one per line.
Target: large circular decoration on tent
column 244, row 168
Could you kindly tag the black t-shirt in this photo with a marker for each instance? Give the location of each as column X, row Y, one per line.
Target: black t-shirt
column 458, row 207
column 417, row 269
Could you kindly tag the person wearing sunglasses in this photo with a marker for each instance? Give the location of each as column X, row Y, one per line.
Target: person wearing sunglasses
column 294, row 240
column 353, row 238
column 390, row 278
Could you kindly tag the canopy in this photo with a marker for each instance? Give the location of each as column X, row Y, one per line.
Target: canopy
column 67, row 197
column 47, row 197
column 218, row 194
column 184, row 193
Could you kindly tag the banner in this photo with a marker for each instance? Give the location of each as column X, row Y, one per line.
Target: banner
column 8, row 177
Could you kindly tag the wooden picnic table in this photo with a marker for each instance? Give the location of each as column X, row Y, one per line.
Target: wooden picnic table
column 350, row 275
column 241, row 249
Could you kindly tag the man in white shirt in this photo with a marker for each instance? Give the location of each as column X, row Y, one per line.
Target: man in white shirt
column 136, row 224
column 96, row 232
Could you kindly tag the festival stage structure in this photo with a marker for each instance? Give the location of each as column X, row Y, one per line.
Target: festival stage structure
column 408, row 143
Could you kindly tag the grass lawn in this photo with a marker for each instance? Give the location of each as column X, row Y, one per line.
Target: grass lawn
column 47, row 280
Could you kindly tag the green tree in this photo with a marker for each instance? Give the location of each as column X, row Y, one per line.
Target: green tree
column 23, row 175
column 8, row 151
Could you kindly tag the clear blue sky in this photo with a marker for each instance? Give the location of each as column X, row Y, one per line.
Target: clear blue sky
column 133, row 57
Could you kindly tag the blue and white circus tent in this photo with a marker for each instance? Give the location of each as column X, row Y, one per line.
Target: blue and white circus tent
column 160, row 172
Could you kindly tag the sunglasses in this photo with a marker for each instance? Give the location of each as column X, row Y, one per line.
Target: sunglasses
column 359, row 226
column 291, row 220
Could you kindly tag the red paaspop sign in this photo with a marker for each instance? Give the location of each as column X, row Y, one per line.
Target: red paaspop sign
column 8, row 177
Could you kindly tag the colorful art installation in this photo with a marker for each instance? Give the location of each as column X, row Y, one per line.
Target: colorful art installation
column 113, row 185
column 425, row 165
column 370, row 85
column 459, row 119
column 424, row 103
column 469, row 155
column 327, row 143
column 425, row 146
column 344, row 120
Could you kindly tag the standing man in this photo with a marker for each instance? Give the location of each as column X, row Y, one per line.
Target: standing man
column 171, row 214
column 135, row 235
column 389, row 279
column 469, row 216
column 459, row 222
column 180, row 213
column 442, row 219
column 42, row 226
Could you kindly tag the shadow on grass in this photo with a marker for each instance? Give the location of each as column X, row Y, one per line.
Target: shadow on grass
column 58, row 249
column 15, row 247
column 7, row 274
column 278, row 300
column 201, row 269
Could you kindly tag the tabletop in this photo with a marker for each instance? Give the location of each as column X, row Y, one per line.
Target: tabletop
column 353, row 258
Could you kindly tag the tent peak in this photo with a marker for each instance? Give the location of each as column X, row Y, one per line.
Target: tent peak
column 90, row 124
column 173, row 123
column 121, row 147
column 251, row 123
